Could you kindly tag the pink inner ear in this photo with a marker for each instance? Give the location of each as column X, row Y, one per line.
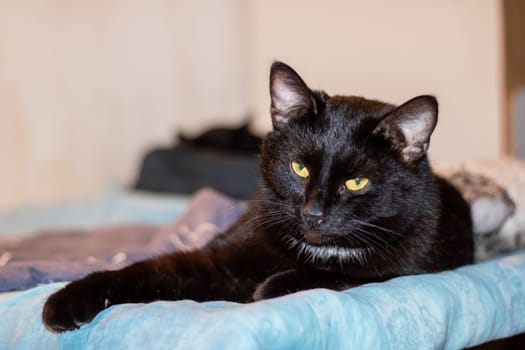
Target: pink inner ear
column 417, row 129
column 410, row 126
column 411, row 153
column 279, row 118
column 285, row 98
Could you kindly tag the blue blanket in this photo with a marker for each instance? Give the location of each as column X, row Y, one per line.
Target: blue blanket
column 449, row 310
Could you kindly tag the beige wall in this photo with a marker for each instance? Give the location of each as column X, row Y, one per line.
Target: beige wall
column 393, row 50
column 87, row 86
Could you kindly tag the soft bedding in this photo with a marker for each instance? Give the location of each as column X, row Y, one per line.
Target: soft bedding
column 449, row 310
column 66, row 254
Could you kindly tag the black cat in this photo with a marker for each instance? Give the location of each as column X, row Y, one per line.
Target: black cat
column 348, row 197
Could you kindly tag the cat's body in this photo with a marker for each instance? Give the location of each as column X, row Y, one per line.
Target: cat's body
column 347, row 197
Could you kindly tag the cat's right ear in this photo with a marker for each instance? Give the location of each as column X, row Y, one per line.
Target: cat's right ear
column 409, row 126
column 290, row 96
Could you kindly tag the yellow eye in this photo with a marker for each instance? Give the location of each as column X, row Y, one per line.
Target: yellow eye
column 300, row 169
column 356, row 184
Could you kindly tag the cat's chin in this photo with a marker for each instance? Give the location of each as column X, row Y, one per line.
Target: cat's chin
column 324, row 252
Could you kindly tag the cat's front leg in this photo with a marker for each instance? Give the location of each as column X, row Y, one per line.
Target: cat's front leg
column 169, row 277
column 80, row 301
column 226, row 271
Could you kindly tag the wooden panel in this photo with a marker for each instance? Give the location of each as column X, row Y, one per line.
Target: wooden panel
column 514, row 29
column 514, row 24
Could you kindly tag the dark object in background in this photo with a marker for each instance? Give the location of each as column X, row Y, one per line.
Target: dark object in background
column 239, row 140
column 223, row 159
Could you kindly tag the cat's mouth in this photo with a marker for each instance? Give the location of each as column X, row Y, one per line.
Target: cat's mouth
column 319, row 238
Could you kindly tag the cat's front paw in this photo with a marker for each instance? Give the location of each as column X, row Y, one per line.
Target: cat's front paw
column 275, row 286
column 77, row 303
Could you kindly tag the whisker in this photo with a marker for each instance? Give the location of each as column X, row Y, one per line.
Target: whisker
column 375, row 239
column 364, row 223
column 396, row 238
column 382, row 247
column 387, row 245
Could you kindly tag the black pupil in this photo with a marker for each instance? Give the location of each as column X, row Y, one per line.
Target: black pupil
column 301, row 166
column 357, row 180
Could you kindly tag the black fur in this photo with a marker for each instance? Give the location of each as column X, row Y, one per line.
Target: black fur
column 301, row 233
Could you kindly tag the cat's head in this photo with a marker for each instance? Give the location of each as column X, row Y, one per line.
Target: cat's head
column 350, row 174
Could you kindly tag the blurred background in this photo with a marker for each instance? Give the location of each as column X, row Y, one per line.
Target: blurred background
column 88, row 87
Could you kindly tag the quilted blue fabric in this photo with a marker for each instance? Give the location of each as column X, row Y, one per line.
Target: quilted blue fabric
column 450, row 310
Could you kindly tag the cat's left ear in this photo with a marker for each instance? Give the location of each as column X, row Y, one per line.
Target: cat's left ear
column 409, row 126
column 291, row 97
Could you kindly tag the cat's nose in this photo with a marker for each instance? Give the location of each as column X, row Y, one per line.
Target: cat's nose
column 313, row 212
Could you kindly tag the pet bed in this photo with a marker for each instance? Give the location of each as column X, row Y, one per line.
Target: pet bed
column 448, row 310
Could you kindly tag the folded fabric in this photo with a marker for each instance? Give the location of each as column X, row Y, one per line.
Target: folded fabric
column 185, row 169
column 495, row 190
column 62, row 255
column 447, row 310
